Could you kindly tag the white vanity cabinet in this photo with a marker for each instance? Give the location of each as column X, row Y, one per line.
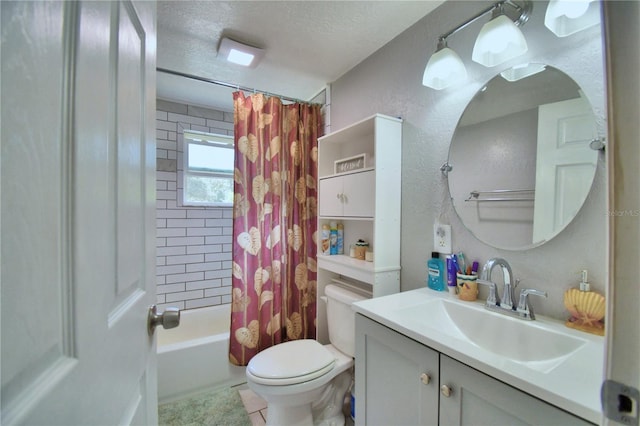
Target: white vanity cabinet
column 365, row 198
column 396, row 378
column 477, row 399
column 391, row 387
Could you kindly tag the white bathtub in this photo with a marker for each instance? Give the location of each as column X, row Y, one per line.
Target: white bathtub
column 194, row 356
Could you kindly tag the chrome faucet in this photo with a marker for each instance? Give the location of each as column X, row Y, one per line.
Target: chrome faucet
column 507, row 293
column 524, row 310
column 492, row 301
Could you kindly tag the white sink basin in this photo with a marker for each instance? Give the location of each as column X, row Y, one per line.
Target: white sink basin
column 527, row 342
column 513, row 338
column 431, row 314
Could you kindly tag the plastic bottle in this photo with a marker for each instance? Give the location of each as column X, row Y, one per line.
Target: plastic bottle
column 435, row 265
column 333, row 238
column 452, row 275
column 352, row 399
column 340, row 238
column 325, row 239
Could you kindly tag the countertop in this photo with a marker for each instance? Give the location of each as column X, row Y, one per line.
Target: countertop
column 571, row 382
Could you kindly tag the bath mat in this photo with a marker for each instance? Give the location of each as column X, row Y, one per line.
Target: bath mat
column 219, row 407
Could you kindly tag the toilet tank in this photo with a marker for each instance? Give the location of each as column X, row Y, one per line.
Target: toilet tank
column 341, row 319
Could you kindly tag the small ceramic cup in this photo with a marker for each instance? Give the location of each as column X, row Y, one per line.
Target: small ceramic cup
column 361, row 249
column 467, row 287
column 368, row 256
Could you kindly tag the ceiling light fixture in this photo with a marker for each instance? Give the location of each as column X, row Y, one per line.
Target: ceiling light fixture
column 498, row 41
column 240, row 53
column 565, row 17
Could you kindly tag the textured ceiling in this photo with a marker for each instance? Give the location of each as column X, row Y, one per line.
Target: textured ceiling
column 308, row 43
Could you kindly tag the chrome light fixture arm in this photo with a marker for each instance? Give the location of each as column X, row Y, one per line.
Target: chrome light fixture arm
column 520, row 13
column 445, row 67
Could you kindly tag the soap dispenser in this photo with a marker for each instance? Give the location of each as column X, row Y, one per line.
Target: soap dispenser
column 587, row 308
column 584, row 284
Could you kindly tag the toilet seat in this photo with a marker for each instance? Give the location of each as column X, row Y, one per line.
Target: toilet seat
column 291, row 362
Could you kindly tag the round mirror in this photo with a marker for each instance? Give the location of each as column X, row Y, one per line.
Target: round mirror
column 521, row 159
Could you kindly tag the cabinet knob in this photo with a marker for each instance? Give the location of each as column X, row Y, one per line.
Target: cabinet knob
column 425, row 378
column 446, row 390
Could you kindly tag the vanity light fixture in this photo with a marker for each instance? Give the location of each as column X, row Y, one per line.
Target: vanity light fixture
column 444, row 68
column 240, row 53
column 518, row 72
column 498, row 41
column 564, row 17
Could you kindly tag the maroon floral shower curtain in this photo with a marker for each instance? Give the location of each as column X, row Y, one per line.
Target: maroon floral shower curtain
column 274, row 224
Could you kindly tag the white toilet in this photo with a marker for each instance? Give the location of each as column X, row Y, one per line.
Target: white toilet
column 304, row 382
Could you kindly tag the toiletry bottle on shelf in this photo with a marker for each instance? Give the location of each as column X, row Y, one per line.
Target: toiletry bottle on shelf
column 435, row 280
column 333, row 238
column 340, row 238
column 325, row 243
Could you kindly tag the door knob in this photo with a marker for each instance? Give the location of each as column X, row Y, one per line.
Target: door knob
column 446, row 390
column 424, row 377
column 170, row 318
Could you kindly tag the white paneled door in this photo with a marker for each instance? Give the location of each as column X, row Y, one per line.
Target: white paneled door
column 78, row 220
column 565, row 164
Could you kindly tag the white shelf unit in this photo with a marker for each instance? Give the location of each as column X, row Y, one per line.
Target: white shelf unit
column 367, row 202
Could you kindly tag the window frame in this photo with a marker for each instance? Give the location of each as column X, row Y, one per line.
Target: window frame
column 193, row 137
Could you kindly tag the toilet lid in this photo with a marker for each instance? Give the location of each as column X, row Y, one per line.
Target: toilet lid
column 295, row 359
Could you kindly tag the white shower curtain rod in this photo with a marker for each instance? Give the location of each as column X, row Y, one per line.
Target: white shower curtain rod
column 231, row 85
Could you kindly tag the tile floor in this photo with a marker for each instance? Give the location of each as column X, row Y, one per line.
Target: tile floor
column 255, row 405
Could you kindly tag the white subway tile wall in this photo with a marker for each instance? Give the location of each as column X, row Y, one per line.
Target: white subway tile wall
column 193, row 255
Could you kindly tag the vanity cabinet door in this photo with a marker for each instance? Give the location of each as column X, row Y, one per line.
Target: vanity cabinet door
column 396, row 378
column 477, row 399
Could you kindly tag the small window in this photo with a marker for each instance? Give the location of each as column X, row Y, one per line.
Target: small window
column 208, row 169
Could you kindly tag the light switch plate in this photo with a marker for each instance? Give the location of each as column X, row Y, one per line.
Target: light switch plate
column 442, row 238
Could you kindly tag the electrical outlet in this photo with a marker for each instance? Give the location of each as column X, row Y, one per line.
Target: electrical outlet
column 442, row 238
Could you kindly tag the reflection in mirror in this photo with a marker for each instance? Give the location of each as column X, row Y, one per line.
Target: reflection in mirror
column 522, row 165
